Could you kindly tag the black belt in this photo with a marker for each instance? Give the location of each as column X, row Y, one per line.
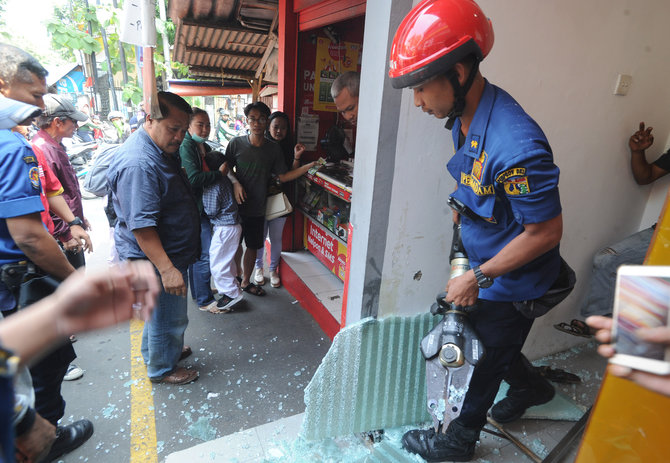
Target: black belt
column 15, row 273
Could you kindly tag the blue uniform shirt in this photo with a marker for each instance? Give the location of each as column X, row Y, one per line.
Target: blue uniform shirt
column 19, row 195
column 19, row 189
column 150, row 189
column 506, row 174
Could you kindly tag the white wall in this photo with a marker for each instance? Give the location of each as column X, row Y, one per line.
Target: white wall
column 560, row 60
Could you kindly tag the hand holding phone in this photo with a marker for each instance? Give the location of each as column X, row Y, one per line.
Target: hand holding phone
column 641, row 301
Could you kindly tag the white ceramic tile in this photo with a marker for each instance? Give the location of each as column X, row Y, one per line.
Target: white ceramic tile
column 272, row 435
column 332, row 301
column 307, row 267
column 241, row 446
column 325, row 283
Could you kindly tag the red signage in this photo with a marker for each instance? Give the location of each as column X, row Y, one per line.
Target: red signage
column 325, row 247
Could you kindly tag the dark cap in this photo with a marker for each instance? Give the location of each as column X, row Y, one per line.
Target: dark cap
column 59, row 106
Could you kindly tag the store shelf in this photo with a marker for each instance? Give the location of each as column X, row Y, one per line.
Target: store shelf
column 322, row 225
column 336, row 180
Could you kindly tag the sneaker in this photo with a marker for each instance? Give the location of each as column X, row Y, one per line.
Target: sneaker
column 208, row 307
column 513, row 406
column 258, row 277
column 456, row 444
column 274, row 279
column 73, row 372
column 69, row 438
column 226, row 303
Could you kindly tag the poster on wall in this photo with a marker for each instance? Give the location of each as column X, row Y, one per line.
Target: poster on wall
column 332, row 59
column 308, row 131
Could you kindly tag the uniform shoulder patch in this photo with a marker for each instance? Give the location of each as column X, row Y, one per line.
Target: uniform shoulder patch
column 517, row 186
column 34, row 174
column 30, row 159
column 509, row 173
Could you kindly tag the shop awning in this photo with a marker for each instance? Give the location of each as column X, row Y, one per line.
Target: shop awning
column 225, row 39
column 207, row 88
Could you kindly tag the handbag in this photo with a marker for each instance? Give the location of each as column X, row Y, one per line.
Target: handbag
column 277, row 206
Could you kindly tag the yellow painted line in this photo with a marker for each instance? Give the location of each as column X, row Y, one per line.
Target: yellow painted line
column 142, row 417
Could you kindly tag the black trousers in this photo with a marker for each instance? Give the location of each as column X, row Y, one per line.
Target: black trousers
column 49, row 372
column 48, row 376
column 502, row 330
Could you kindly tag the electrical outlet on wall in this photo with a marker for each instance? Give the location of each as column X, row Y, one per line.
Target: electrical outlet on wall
column 623, row 83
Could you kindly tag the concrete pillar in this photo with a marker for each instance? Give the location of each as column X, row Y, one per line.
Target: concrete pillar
column 378, row 113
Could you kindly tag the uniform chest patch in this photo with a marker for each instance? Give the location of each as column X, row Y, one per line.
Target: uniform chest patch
column 517, row 186
column 34, row 174
column 478, row 166
column 478, row 188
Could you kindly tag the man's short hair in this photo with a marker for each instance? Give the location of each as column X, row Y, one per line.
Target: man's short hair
column 259, row 106
column 350, row 80
column 18, row 65
column 167, row 100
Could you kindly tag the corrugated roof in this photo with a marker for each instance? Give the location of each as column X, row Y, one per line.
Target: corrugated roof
column 229, row 39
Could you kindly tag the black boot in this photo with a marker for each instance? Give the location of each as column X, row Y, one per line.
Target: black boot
column 513, row 406
column 69, row 438
column 457, row 444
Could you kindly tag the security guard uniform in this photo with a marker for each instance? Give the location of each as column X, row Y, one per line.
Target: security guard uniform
column 507, row 178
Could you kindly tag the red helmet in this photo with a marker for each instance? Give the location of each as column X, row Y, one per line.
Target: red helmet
column 436, row 35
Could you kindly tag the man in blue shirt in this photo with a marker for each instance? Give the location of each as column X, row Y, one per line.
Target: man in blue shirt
column 158, row 219
column 511, row 222
column 23, row 237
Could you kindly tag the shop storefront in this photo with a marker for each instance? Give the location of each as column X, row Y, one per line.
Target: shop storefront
column 328, row 41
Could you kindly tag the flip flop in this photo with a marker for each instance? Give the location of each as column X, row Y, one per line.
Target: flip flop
column 254, row 289
column 575, row 328
column 557, row 375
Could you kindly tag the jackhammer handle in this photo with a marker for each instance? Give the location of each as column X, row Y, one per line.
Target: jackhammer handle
column 441, row 306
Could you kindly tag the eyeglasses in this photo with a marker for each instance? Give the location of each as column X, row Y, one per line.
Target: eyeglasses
column 260, row 120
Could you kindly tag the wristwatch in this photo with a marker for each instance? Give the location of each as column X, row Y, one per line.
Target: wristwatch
column 76, row 221
column 482, row 280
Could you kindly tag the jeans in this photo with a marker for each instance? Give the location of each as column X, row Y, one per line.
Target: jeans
column 630, row 251
column 274, row 229
column 163, row 334
column 198, row 273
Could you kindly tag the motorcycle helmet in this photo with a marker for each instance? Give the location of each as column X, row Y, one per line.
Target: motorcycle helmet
column 115, row 115
column 433, row 37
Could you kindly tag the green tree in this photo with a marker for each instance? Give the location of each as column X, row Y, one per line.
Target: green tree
column 69, row 34
column 4, row 35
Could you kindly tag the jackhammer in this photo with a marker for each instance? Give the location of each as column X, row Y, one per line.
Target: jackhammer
column 452, row 349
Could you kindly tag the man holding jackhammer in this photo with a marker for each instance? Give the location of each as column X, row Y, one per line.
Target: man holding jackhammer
column 510, row 214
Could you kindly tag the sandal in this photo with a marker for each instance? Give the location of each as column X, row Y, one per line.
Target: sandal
column 557, row 375
column 254, row 289
column 575, row 328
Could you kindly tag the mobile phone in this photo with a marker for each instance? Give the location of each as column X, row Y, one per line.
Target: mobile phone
column 641, row 300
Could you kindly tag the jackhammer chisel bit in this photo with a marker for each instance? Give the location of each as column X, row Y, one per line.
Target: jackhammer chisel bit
column 452, row 350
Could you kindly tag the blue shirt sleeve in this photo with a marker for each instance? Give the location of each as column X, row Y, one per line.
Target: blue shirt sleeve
column 530, row 182
column 20, row 185
column 139, row 197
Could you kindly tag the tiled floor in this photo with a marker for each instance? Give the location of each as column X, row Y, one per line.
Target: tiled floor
column 323, row 283
column 280, row 441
